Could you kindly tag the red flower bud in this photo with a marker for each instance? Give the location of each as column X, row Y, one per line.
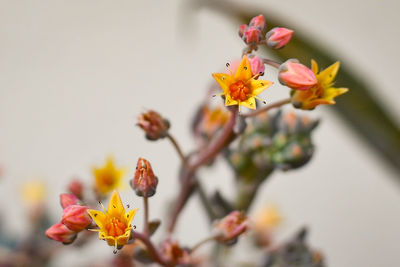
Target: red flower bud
column 144, row 182
column 242, row 28
column 252, row 35
column 256, row 65
column 258, row 22
column 68, row 200
column 296, row 75
column 153, row 125
column 229, row 228
column 76, row 218
column 76, row 188
column 61, row 233
column 278, row 37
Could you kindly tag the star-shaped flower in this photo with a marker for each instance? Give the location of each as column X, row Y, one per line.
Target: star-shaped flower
column 108, row 177
column 321, row 94
column 115, row 223
column 242, row 87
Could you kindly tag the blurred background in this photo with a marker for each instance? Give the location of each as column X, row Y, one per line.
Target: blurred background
column 75, row 75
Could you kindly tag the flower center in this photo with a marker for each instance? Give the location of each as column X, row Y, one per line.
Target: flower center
column 115, row 227
column 239, row 91
column 108, row 179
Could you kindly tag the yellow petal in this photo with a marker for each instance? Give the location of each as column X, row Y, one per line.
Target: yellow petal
column 123, row 239
column 224, row 80
column 249, row 103
column 115, row 206
column 98, row 217
column 332, row 92
column 327, row 76
column 129, row 216
column 314, row 66
column 243, row 72
column 258, row 86
column 103, row 235
column 229, row 101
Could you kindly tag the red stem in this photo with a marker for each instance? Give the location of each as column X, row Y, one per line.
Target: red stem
column 150, row 247
column 208, row 154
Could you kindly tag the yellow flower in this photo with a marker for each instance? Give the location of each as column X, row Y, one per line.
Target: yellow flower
column 115, row 223
column 242, row 87
column 107, row 178
column 321, row 94
column 267, row 218
column 33, row 192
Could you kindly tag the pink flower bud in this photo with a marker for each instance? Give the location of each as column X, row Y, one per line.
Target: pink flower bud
column 61, row 233
column 296, row 75
column 229, row 228
column 144, row 182
column 68, row 200
column 242, row 28
column 153, row 125
column 252, row 35
column 278, row 37
column 256, row 65
column 76, row 218
column 76, row 188
column 258, row 22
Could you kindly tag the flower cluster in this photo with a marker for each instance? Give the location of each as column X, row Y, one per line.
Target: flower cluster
column 74, row 219
column 266, row 142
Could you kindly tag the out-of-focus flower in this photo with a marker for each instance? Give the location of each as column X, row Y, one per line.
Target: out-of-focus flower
column 76, row 218
column 174, row 253
column 153, row 125
column 76, row 188
column 242, row 87
column 323, row 93
column 108, row 177
column 144, row 182
column 33, row 192
column 211, row 121
column 68, row 200
column 296, row 75
column 268, row 217
column 278, row 37
column 228, row 229
column 264, row 222
column 61, row 233
column 115, row 223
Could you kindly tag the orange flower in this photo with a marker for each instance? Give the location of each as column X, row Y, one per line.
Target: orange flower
column 115, row 223
column 321, row 94
column 242, row 87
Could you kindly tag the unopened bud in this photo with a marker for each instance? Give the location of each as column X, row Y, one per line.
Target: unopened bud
column 144, row 182
column 153, row 125
column 258, row 22
column 68, row 200
column 296, row 75
column 174, row 253
column 242, row 29
column 256, row 65
column 252, row 35
column 229, row 228
column 278, row 37
column 76, row 218
column 76, row 188
column 61, row 233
